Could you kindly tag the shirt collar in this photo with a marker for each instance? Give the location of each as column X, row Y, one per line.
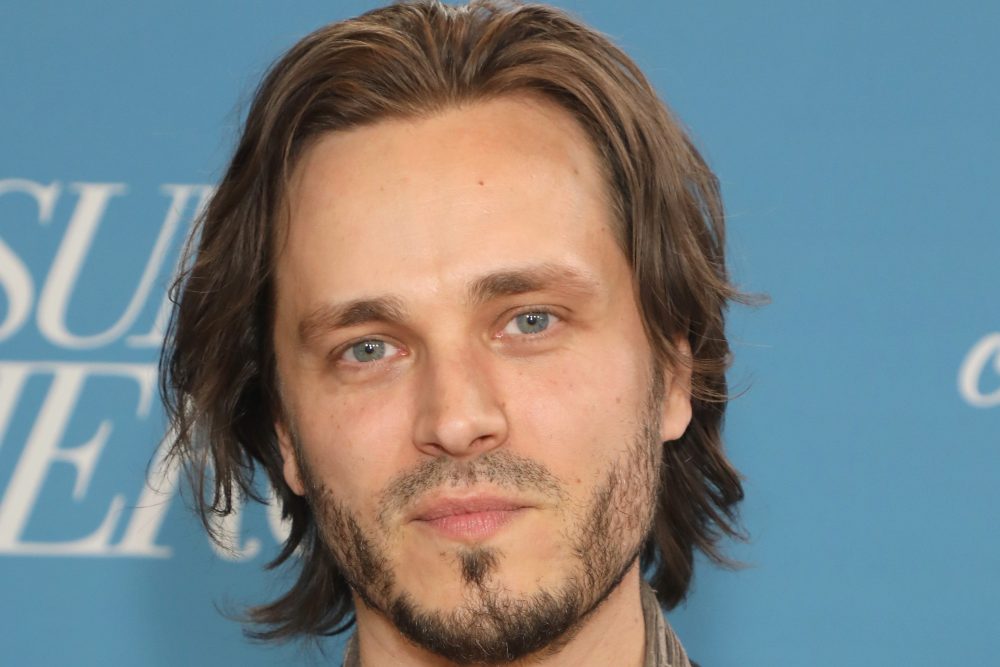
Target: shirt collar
column 663, row 649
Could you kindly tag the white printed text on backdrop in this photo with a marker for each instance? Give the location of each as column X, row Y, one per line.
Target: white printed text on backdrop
column 982, row 363
column 67, row 380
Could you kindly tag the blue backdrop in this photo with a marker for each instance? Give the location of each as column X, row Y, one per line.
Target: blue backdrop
column 858, row 148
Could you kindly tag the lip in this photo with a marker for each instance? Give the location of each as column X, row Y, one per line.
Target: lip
column 467, row 518
column 444, row 507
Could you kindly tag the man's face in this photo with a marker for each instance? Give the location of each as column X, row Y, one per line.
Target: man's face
column 472, row 407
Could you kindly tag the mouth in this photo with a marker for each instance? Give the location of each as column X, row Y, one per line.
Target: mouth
column 468, row 519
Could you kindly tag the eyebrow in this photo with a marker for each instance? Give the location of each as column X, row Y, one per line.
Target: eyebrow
column 486, row 288
column 531, row 279
column 329, row 317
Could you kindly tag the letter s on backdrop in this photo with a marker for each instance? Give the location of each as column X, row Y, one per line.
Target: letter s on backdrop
column 14, row 275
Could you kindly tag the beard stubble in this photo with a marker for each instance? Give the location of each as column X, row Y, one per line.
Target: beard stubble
column 492, row 626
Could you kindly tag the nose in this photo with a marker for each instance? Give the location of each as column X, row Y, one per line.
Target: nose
column 459, row 412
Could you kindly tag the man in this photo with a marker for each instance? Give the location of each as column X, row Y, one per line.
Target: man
column 460, row 295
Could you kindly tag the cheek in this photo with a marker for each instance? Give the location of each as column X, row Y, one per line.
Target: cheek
column 578, row 412
column 353, row 444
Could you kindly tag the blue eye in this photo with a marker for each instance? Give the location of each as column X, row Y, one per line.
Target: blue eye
column 529, row 323
column 366, row 350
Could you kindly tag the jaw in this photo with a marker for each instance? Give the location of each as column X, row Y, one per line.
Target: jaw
column 444, row 574
column 584, row 634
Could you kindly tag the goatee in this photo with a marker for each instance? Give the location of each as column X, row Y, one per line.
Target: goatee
column 492, row 625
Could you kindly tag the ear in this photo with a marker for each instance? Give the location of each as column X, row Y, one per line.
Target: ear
column 290, row 459
column 676, row 409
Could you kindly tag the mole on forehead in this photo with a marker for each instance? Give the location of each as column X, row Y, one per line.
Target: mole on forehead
column 494, row 285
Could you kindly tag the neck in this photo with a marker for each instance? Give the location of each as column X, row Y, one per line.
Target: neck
column 612, row 634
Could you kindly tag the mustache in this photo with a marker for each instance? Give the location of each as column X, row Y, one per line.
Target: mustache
column 501, row 468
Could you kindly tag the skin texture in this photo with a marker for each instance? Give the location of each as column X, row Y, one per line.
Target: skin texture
column 415, row 369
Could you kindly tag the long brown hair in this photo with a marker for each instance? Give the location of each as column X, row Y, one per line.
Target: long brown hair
column 411, row 59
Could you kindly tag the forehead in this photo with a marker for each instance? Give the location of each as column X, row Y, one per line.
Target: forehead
column 419, row 201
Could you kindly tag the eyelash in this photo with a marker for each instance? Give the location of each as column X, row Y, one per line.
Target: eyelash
column 555, row 320
column 337, row 355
